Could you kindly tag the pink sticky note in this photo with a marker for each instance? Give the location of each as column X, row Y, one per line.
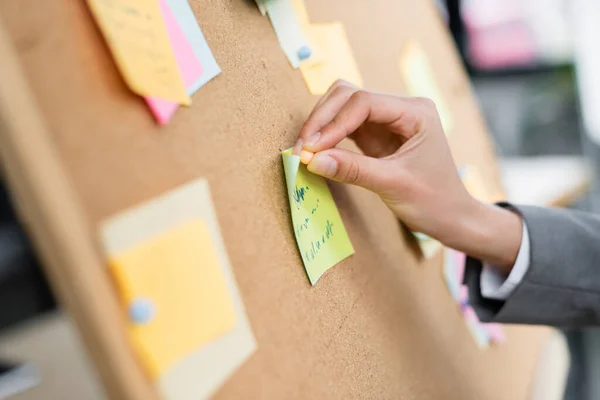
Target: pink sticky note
column 189, row 66
column 460, row 260
column 496, row 332
column 463, row 294
column 481, row 336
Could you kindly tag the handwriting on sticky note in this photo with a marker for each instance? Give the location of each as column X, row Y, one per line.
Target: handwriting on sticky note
column 419, row 78
column 138, row 39
column 336, row 59
column 320, row 233
column 188, row 64
column 178, row 271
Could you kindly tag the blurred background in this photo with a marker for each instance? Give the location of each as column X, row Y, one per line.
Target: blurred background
column 534, row 68
column 533, row 65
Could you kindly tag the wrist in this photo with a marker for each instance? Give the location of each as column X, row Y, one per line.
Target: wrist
column 490, row 233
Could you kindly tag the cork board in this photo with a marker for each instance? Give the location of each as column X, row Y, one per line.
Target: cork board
column 78, row 147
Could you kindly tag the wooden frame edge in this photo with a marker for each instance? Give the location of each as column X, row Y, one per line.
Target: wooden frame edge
column 56, row 223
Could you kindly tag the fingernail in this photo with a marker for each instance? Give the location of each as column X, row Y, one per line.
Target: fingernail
column 297, row 147
column 312, row 140
column 306, row 156
column 324, row 165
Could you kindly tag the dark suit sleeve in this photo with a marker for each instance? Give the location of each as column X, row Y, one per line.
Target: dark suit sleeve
column 562, row 285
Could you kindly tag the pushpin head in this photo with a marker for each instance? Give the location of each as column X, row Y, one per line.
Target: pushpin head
column 141, row 310
column 304, row 53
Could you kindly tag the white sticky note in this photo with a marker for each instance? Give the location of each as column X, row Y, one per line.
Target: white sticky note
column 287, row 28
column 187, row 20
column 451, row 275
column 261, row 7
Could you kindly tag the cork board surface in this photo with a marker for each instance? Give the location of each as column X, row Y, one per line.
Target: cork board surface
column 379, row 325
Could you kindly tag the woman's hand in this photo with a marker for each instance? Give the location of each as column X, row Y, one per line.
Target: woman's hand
column 406, row 161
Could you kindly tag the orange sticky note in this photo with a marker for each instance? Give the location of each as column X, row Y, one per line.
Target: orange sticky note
column 179, row 272
column 138, row 40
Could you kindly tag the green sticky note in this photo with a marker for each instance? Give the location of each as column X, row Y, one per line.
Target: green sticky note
column 320, row 233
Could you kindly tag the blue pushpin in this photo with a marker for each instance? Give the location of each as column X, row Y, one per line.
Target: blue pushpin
column 141, row 310
column 304, row 53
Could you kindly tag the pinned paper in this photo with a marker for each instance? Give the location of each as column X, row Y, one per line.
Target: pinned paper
column 317, row 55
column 428, row 245
column 420, row 81
column 453, row 270
column 463, row 298
column 338, row 62
column 138, row 39
column 301, row 13
column 261, row 7
column 451, row 276
column 187, row 21
column 179, row 271
column 287, row 28
column 495, row 332
column 320, row 233
column 482, row 339
column 460, row 261
column 187, row 321
column 188, row 63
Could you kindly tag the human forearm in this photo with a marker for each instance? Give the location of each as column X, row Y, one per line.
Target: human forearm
column 490, row 233
column 562, row 284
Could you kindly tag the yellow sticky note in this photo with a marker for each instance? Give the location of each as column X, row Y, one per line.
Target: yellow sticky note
column 338, row 61
column 138, row 39
column 419, row 79
column 179, row 272
column 301, row 13
column 320, row 233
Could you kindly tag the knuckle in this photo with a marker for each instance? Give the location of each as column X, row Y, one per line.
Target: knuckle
column 352, row 172
column 341, row 83
column 429, row 106
column 361, row 96
column 341, row 91
column 426, row 102
column 338, row 123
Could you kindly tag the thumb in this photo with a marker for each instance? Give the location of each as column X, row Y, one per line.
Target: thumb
column 349, row 167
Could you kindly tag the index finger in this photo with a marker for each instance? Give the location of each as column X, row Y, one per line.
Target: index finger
column 329, row 105
column 361, row 107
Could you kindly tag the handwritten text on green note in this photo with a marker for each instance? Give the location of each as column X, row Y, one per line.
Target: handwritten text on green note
column 320, row 233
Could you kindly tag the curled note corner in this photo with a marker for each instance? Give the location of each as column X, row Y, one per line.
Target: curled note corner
column 318, row 227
